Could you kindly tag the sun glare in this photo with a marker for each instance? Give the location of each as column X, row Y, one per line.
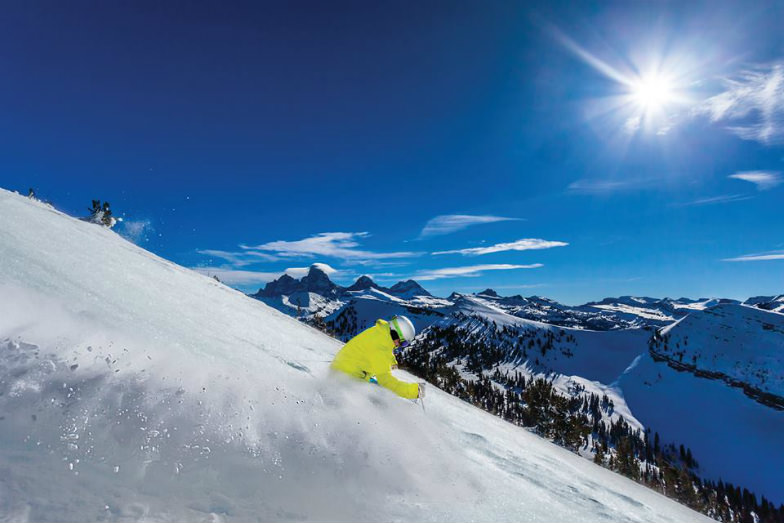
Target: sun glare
column 652, row 93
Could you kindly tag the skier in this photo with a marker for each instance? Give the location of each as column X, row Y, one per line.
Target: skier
column 370, row 356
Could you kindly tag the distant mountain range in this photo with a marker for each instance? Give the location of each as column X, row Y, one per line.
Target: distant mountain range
column 707, row 372
column 316, row 295
column 317, row 281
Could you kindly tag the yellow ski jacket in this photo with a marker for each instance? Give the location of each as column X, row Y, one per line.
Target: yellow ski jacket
column 369, row 355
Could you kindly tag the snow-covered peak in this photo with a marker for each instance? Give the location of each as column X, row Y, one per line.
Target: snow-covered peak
column 363, row 283
column 282, row 286
column 315, row 281
column 488, row 292
column 408, row 289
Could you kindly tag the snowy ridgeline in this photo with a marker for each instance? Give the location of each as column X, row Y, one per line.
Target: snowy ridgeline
column 134, row 389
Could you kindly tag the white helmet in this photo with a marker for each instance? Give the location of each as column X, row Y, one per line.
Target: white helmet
column 403, row 327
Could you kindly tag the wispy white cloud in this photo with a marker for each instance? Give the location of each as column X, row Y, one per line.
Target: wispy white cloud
column 449, row 223
column 715, row 200
column 239, row 258
column 597, row 186
column 341, row 245
column 766, row 256
column 299, row 272
column 525, row 244
column 752, row 105
column 764, row 180
column 378, row 275
column 632, row 124
column 469, row 271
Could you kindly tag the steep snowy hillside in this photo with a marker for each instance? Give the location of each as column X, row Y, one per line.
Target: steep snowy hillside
column 734, row 437
column 134, row 389
column 719, row 373
column 742, row 345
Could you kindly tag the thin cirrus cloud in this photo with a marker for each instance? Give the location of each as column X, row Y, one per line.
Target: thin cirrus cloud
column 765, row 256
column 239, row 258
column 341, row 245
column 525, row 244
column 764, row 180
column 599, row 186
column 449, row 223
column 752, row 105
column 299, row 272
column 715, row 200
column 469, row 271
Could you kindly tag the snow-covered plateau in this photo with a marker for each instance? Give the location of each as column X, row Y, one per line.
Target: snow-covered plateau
column 134, row 389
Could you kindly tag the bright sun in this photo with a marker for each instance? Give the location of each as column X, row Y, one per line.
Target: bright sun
column 652, row 93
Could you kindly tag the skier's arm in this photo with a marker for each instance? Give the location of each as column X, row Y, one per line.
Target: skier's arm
column 401, row 388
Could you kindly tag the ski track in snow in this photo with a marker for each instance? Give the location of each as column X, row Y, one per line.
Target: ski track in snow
column 132, row 389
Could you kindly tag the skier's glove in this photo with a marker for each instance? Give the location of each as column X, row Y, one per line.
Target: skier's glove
column 421, row 390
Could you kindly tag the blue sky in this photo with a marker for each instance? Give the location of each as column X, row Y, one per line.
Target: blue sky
column 570, row 151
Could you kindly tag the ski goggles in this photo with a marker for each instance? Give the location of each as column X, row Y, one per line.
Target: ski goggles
column 402, row 343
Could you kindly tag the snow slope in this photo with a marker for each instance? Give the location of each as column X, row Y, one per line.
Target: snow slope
column 740, row 342
column 710, row 365
column 134, row 389
column 734, row 437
